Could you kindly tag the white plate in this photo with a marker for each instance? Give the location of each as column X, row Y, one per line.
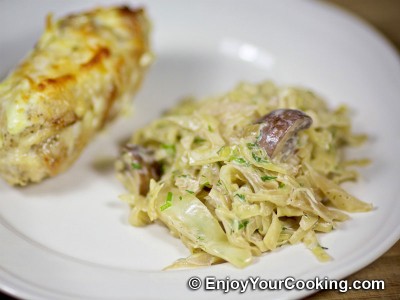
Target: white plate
column 68, row 237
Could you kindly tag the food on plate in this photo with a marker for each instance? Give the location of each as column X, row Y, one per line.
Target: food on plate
column 241, row 174
column 81, row 74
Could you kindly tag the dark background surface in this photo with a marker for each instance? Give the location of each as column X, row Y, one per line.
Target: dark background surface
column 384, row 15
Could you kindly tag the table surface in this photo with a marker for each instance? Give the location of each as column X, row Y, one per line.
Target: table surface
column 385, row 17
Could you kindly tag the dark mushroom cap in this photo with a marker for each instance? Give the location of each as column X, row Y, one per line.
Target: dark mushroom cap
column 279, row 128
column 141, row 160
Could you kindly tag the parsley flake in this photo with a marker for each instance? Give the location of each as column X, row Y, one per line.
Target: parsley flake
column 165, row 206
column 168, row 202
column 241, row 197
column 170, row 148
column 198, row 140
column 251, row 146
column 239, row 160
column 258, row 158
column 266, row 178
column 243, row 224
column 136, row 166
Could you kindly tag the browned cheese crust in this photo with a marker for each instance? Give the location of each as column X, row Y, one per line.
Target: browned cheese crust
column 81, row 74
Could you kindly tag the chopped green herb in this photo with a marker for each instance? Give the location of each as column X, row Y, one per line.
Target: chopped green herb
column 165, row 206
column 136, row 166
column 325, row 248
column 170, row 148
column 239, row 160
column 168, row 202
column 183, row 176
column 180, row 198
column 190, row 192
column 251, row 146
column 210, row 128
column 243, row 224
column 256, row 158
column 198, row 140
column 281, row 185
column 169, row 197
column 241, row 197
column 266, row 177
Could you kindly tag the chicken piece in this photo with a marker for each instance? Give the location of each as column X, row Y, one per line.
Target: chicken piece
column 81, row 74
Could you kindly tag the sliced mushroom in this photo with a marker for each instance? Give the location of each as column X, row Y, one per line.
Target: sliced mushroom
column 140, row 160
column 279, row 128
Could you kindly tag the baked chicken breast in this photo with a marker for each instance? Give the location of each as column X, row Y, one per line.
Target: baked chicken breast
column 81, row 74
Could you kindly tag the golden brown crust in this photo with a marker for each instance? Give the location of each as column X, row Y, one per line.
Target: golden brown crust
column 79, row 77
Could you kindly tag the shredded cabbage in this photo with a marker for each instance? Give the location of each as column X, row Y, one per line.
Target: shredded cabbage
column 220, row 192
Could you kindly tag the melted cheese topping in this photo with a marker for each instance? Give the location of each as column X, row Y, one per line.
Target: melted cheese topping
column 84, row 69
